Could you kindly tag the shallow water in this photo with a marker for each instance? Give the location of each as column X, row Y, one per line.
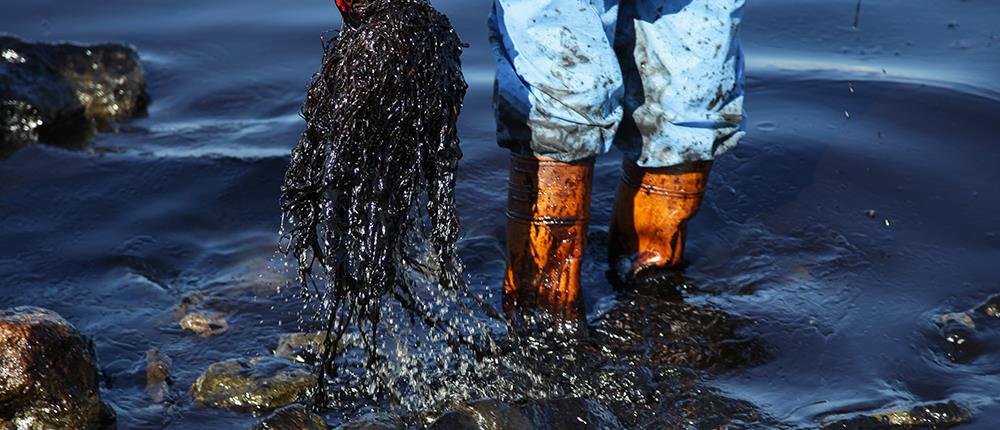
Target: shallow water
column 893, row 117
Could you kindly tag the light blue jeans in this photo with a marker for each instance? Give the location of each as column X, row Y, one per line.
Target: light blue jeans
column 660, row 79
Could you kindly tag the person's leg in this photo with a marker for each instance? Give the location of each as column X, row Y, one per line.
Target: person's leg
column 558, row 103
column 558, row 87
column 548, row 210
column 683, row 68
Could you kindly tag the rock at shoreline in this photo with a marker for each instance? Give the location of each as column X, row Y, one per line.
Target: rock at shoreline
column 49, row 374
column 260, row 384
column 63, row 93
column 293, row 417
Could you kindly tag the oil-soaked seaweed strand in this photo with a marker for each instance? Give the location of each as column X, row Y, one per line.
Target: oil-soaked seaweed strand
column 380, row 145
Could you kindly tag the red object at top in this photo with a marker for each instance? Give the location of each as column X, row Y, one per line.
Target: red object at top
column 346, row 6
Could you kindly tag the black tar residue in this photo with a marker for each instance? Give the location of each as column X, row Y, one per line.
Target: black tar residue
column 376, row 163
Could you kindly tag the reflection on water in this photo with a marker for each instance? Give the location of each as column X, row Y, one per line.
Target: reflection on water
column 842, row 239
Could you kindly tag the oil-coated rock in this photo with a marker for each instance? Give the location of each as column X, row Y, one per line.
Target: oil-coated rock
column 64, row 93
column 48, row 374
column 259, row 384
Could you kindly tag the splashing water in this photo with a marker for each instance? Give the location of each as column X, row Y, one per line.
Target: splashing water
column 369, row 217
column 373, row 174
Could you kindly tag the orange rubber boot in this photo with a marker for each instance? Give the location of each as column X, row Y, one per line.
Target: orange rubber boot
column 649, row 222
column 548, row 209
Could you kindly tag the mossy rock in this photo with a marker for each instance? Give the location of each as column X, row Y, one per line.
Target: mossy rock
column 260, row 384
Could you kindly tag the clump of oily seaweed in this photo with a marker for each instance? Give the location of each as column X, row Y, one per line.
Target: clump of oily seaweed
column 376, row 162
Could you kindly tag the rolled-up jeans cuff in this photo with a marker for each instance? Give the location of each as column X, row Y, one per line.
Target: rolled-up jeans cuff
column 705, row 147
column 562, row 141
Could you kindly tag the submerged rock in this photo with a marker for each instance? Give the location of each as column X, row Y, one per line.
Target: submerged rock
column 293, row 417
column 205, row 324
column 232, row 295
column 962, row 344
column 482, row 414
column 64, row 93
column 678, row 334
column 933, row 416
column 18, row 124
column 991, row 308
column 306, row 347
column 962, row 318
column 158, row 378
column 259, row 384
column 647, row 361
column 546, row 414
column 967, row 336
column 301, row 347
column 572, row 413
column 48, row 374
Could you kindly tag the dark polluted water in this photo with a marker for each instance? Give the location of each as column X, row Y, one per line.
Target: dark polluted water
column 851, row 242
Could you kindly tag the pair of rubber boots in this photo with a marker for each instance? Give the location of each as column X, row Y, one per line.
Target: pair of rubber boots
column 547, row 217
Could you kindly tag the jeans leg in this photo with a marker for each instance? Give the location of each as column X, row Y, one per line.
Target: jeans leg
column 558, row 87
column 683, row 67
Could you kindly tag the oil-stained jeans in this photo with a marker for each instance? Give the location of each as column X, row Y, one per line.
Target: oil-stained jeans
column 660, row 79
